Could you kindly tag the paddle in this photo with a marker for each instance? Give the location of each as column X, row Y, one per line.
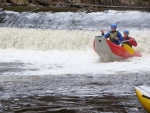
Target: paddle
column 126, row 46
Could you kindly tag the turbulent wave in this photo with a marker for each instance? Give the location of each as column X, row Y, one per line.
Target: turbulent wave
column 143, row 39
column 47, row 40
column 38, row 39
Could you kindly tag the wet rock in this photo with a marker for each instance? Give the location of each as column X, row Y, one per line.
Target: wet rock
column 129, row 2
column 32, row 5
column 89, row 2
column 1, row 1
column 20, row 2
column 6, row 4
column 43, row 2
column 2, row 15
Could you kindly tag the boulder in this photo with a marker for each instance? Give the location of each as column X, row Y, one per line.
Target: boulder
column 43, row 2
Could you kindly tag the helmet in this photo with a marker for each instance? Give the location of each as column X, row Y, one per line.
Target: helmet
column 113, row 25
column 126, row 31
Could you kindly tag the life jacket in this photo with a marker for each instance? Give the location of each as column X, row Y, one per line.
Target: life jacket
column 127, row 42
column 112, row 36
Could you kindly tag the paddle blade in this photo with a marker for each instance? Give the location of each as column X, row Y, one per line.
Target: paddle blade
column 129, row 49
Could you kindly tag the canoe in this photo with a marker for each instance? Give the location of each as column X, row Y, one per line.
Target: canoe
column 109, row 51
column 143, row 94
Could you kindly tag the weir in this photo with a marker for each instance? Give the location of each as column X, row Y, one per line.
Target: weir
column 76, row 20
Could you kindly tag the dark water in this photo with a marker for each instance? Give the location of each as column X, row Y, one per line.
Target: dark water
column 71, row 93
column 66, row 104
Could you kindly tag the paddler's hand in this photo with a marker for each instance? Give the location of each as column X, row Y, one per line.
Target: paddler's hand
column 116, row 38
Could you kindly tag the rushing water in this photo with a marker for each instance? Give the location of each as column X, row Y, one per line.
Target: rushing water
column 66, row 52
column 77, row 20
column 55, row 69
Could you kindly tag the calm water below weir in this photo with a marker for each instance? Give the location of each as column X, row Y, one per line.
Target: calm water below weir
column 71, row 93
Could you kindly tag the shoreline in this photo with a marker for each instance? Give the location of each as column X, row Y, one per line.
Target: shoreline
column 71, row 8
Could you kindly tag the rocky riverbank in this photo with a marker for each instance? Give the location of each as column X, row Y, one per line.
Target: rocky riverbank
column 72, row 5
column 89, row 2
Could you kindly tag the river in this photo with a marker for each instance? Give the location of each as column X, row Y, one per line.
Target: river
column 47, row 63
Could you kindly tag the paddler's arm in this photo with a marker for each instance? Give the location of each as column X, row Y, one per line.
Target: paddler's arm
column 133, row 42
column 120, row 38
column 107, row 35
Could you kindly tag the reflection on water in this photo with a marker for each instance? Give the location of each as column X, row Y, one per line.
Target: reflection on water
column 65, row 104
column 68, row 93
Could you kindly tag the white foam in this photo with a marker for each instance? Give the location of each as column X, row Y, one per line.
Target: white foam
column 70, row 62
column 55, row 52
column 37, row 39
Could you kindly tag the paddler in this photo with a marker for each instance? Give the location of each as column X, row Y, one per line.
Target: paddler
column 113, row 35
column 129, row 40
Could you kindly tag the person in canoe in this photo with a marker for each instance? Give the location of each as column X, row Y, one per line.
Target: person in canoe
column 129, row 40
column 113, row 35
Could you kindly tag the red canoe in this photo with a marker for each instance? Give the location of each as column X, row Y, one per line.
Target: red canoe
column 109, row 51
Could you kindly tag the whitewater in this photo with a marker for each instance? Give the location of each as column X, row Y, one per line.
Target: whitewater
column 57, row 52
column 62, row 43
